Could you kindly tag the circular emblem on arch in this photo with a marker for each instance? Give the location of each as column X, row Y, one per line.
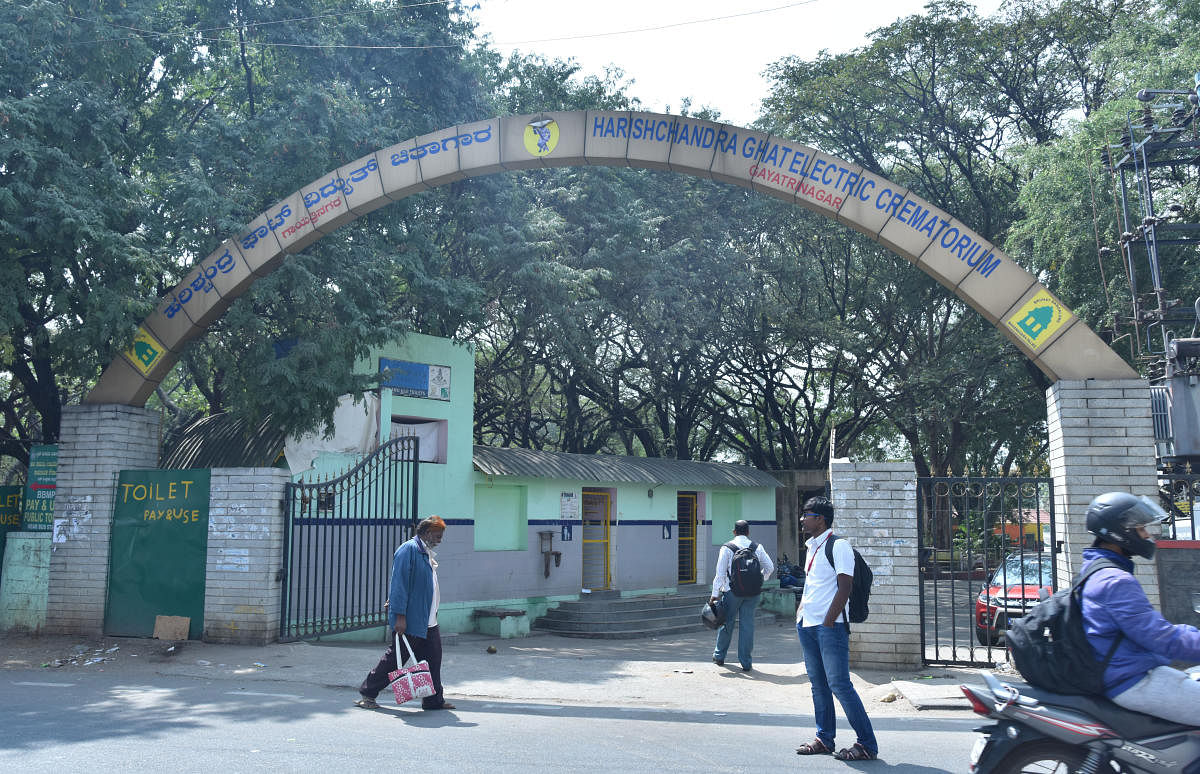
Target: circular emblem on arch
column 541, row 137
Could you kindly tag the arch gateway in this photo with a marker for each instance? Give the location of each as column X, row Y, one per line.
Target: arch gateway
column 1100, row 428
column 979, row 273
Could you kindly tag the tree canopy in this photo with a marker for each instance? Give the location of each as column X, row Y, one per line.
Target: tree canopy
column 612, row 310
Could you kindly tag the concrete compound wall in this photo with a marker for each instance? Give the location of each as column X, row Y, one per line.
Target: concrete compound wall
column 242, row 593
column 1101, row 440
column 96, row 443
column 875, row 507
column 245, row 539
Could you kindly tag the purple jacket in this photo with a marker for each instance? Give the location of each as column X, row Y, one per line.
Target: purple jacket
column 1113, row 601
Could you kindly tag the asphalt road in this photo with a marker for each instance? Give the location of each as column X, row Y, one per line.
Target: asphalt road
column 109, row 722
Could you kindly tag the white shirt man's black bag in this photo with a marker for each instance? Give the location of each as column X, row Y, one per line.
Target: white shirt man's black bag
column 745, row 571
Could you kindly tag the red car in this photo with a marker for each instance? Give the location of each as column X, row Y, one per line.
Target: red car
column 1013, row 589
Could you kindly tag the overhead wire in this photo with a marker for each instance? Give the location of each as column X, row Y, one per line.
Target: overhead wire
column 270, row 44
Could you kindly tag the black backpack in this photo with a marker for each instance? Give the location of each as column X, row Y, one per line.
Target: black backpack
column 1050, row 648
column 745, row 571
column 860, row 590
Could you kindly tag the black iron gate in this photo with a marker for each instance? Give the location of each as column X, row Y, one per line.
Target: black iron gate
column 1179, row 490
column 341, row 535
column 986, row 550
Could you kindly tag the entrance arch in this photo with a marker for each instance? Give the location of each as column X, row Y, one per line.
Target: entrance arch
column 1020, row 307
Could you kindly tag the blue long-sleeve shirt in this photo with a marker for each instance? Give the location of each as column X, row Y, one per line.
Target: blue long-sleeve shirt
column 1113, row 601
column 410, row 592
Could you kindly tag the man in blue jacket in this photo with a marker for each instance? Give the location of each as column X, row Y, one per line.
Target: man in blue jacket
column 1116, row 609
column 412, row 611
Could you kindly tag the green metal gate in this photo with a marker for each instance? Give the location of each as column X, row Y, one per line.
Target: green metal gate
column 158, row 551
column 341, row 535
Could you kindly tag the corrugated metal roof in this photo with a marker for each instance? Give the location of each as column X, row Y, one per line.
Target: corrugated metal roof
column 221, row 441
column 527, row 463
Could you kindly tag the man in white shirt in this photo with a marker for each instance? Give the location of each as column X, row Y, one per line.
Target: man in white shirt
column 739, row 607
column 825, row 636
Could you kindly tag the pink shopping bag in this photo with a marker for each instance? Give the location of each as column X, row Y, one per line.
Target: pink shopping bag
column 411, row 681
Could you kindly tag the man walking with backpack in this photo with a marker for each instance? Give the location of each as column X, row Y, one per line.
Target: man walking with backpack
column 822, row 622
column 742, row 566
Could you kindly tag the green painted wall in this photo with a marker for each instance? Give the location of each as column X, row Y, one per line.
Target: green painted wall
column 633, row 503
column 726, row 508
column 25, row 590
column 501, row 523
column 445, row 489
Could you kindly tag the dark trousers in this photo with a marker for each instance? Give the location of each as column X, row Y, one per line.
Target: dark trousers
column 427, row 648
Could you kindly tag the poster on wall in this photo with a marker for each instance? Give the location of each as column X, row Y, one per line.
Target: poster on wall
column 37, row 514
column 416, row 380
column 159, row 551
column 568, row 506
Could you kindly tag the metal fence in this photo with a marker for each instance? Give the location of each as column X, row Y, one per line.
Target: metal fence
column 986, row 549
column 341, row 535
column 1178, row 492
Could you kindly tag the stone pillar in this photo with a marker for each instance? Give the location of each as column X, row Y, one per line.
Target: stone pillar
column 96, row 443
column 1101, row 440
column 875, row 507
column 242, row 595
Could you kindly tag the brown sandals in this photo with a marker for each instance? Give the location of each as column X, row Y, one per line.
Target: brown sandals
column 855, row 753
column 815, row 747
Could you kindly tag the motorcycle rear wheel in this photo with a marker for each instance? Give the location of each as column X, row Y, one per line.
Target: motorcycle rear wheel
column 1042, row 758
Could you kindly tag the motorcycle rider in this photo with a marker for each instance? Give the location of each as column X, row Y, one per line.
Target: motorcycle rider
column 1114, row 604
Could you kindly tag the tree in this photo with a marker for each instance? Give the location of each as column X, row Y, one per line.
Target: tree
column 134, row 137
column 939, row 102
column 76, row 265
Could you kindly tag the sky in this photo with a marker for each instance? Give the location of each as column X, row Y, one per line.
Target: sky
column 713, row 52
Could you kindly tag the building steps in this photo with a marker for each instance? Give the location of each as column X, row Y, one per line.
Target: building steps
column 613, row 617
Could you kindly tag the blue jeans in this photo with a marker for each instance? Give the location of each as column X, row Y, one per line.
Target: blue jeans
column 827, row 660
column 739, row 610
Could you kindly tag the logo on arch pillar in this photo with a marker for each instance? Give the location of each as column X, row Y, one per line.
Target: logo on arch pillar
column 1037, row 319
column 145, row 352
column 541, row 137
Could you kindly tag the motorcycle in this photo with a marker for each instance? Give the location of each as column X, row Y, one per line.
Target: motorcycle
column 1040, row 731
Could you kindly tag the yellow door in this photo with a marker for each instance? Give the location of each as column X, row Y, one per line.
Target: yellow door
column 596, row 509
column 685, row 520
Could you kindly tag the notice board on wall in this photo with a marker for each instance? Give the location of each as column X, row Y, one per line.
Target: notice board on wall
column 41, row 483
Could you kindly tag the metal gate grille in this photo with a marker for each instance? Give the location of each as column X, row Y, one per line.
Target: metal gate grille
column 341, row 535
column 685, row 523
column 1179, row 491
column 986, row 548
column 596, row 511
